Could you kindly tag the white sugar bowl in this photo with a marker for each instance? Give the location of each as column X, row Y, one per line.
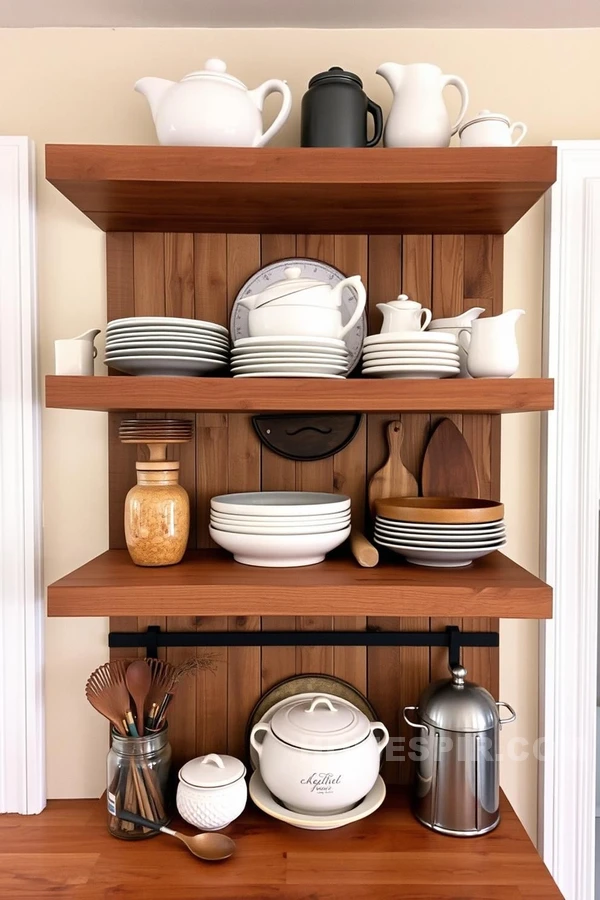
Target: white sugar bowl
column 212, row 791
column 489, row 129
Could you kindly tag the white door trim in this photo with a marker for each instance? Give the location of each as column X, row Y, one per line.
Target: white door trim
column 22, row 751
column 572, row 480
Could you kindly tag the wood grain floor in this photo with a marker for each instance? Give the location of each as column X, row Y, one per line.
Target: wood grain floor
column 66, row 852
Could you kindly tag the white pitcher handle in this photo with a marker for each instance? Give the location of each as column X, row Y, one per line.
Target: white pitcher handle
column 464, row 339
column 522, row 127
column 259, row 95
column 356, row 284
column 464, row 93
column 260, row 726
column 425, row 322
column 383, row 741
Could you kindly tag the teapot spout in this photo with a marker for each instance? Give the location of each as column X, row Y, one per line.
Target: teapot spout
column 153, row 89
column 393, row 74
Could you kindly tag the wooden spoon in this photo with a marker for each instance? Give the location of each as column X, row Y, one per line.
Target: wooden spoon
column 138, row 679
column 393, row 479
column 209, row 846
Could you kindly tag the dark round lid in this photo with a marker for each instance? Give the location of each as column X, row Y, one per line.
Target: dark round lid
column 335, row 74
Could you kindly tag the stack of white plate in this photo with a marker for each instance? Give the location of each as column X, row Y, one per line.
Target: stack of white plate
column 289, row 357
column 411, row 354
column 440, row 544
column 279, row 528
column 158, row 345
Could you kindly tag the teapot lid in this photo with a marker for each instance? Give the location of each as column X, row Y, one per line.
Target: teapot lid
column 335, row 74
column 215, row 69
column 291, row 283
column 212, row 770
column 484, row 115
column 458, row 705
column 320, row 724
column 403, row 301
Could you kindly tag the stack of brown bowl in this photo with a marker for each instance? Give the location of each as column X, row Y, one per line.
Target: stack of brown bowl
column 440, row 531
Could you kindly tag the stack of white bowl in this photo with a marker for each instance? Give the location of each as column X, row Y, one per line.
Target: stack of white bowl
column 444, row 532
column 411, row 354
column 161, row 345
column 279, row 528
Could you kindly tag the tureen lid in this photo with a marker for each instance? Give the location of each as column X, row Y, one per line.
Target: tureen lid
column 458, row 705
column 485, row 115
column 320, row 724
column 215, row 69
column 291, row 283
column 212, row 770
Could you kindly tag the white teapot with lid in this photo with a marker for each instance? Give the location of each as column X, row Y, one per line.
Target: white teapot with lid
column 403, row 314
column 303, row 306
column 210, row 108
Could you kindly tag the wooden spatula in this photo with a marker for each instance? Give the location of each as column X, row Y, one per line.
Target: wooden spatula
column 448, row 467
column 393, row 479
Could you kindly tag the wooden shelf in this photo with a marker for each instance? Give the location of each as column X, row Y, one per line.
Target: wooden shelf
column 291, row 190
column 66, row 851
column 123, row 393
column 210, row 583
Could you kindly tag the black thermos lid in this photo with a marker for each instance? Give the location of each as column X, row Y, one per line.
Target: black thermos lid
column 335, row 74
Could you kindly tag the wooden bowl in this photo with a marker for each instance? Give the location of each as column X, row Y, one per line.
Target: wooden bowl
column 440, row 510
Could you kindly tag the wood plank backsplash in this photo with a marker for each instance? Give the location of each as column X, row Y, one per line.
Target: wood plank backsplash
column 199, row 275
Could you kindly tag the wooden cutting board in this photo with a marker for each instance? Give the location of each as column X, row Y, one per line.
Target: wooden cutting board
column 448, row 467
column 393, row 479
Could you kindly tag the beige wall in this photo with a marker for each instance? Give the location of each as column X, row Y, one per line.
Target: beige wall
column 75, row 86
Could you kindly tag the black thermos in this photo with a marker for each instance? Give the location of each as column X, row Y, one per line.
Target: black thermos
column 334, row 112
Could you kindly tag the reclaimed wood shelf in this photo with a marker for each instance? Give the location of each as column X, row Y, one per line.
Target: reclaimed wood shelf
column 210, row 583
column 290, row 190
column 123, row 393
column 388, row 855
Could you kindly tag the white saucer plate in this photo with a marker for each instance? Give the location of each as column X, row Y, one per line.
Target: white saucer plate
column 412, row 371
column 171, row 352
column 426, row 539
column 262, row 797
column 437, row 526
column 159, row 341
column 408, row 347
column 442, row 545
column 169, row 322
column 289, row 340
column 401, row 355
column 287, row 375
column 290, row 355
column 410, row 361
column 438, row 558
column 324, row 368
column 164, row 365
column 413, row 337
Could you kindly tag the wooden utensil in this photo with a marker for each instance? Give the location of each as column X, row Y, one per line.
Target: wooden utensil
column 107, row 692
column 393, row 479
column 138, row 678
column 448, row 467
column 211, row 847
column 440, row 510
column 364, row 552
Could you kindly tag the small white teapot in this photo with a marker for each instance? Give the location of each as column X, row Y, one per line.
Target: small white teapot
column 491, row 345
column 403, row 315
column 212, row 109
column 490, row 129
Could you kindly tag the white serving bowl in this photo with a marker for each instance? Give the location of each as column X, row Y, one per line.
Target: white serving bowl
column 279, row 551
column 280, row 529
column 280, row 503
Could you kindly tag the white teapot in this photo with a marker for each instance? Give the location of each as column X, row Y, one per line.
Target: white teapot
column 303, row 306
column 490, row 129
column 212, row 109
column 403, row 315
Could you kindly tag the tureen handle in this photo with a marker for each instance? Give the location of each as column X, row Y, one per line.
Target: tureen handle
column 259, row 94
column 213, row 758
column 382, row 742
column 260, row 726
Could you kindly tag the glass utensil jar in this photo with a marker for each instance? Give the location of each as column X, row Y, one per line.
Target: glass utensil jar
column 157, row 515
column 137, row 774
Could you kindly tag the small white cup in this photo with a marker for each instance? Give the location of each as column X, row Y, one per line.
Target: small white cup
column 75, row 356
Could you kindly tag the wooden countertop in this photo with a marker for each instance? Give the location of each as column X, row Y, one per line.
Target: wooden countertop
column 67, row 852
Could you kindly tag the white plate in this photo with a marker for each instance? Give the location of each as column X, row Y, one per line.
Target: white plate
column 392, row 349
column 289, row 341
column 309, row 268
column 429, row 538
column 280, row 529
column 438, row 526
column 164, row 365
column 262, row 797
column 290, row 356
column 401, row 355
column 159, row 341
column 315, row 368
column 406, row 528
column 442, row 559
column 412, row 371
column 170, row 322
column 394, row 362
column 288, row 375
column 413, row 337
column 223, row 518
column 174, row 334
column 276, row 362
column 280, row 503
column 171, row 352
column 279, row 551
column 441, row 545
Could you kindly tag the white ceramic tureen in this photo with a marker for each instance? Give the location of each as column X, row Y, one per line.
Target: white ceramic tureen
column 212, row 791
column 212, row 109
column 318, row 756
column 303, row 306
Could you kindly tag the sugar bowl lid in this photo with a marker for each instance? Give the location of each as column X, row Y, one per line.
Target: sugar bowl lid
column 485, row 115
column 212, row 770
column 320, row 724
column 458, row 705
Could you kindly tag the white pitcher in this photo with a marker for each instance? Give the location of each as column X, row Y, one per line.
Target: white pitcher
column 418, row 117
column 454, row 325
column 403, row 315
column 75, row 356
column 491, row 345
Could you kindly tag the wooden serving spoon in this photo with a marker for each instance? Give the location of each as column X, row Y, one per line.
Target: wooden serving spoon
column 209, row 846
column 138, row 679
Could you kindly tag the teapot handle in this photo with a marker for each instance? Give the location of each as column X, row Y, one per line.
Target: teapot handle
column 259, row 95
column 464, row 93
column 356, row 284
column 520, row 126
